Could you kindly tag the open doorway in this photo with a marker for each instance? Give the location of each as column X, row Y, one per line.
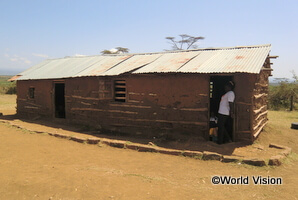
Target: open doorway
column 217, row 90
column 59, row 100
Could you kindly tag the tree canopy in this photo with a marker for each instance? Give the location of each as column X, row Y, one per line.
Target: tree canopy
column 117, row 50
column 185, row 42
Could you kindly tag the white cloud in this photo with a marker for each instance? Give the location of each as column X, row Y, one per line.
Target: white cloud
column 16, row 58
column 79, row 55
column 113, row 50
column 40, row 55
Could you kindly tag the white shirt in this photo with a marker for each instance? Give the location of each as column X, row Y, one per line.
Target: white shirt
column 224, row 107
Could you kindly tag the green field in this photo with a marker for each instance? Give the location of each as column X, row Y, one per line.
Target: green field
column 6, row 86
column 3, row 80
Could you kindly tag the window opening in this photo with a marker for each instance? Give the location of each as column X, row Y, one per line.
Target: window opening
column 120, row 90
column 31, row 93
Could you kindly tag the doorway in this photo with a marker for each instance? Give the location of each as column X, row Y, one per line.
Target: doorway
column 59, row 100
column 217, row 90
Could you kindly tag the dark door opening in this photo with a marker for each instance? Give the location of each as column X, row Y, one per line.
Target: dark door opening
column 217, row 90
column 59, row 100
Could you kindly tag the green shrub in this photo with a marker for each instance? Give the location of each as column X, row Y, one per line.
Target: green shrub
column 12, row 89
column 281, row 94
column 7, row 87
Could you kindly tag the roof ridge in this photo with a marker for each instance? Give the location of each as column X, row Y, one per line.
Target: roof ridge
column 164, row 52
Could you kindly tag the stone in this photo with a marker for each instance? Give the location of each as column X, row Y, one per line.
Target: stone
column 77, row 139
column 93, row 140
column 277, row 146
column 197, row 154
column 39, row 132
column 259, row 147
column 117, row 144
column 211, row 156
column 169, row 152
column 106, row 142
column 227, row 159
column 276, row 160
column 60, row 135
column 255, row 162
column 145, row 148
column 151, row 143
column 132, row 146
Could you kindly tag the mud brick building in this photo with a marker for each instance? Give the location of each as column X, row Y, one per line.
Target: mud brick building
column 152, row 93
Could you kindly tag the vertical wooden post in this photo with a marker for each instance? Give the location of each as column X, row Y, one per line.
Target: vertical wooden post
column 291, row 102
column 251, row 116
column 208, row 122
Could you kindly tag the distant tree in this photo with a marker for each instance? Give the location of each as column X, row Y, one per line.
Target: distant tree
column 122, row 50
column 185, row 42
column 106, row 52
column 285, row 94
column 117, row 50
column 295, row 77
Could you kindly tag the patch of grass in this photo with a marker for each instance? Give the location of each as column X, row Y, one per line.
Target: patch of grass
column 290, row 158
column 7, row 103
column 279, row 131
column 3, row 80
column 198, row 157
column 7, row 87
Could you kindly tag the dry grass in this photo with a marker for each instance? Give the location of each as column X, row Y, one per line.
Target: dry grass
column 279, row 129
column 36, row 166
column 8, row 104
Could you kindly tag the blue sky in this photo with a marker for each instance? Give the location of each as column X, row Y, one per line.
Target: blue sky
column 34, row 30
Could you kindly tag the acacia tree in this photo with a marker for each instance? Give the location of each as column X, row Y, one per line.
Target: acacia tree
column 285, row 94
column 185, row 42
column 118, row 50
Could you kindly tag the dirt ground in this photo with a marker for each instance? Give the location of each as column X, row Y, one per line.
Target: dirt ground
column 38, row 166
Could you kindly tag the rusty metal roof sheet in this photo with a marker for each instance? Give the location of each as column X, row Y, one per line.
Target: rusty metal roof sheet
column 168, row 62
column 248, row 59
column 135, row 62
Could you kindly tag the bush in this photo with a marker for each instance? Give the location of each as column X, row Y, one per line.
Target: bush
column 11, row 89
column 280, row 95
column 8, row 89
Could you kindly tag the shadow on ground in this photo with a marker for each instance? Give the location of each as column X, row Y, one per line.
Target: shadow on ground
column 186, row 144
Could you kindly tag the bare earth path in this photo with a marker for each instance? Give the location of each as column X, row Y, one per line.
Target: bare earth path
column 37, row 166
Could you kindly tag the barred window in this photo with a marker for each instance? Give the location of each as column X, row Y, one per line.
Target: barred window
column 120, row 91
column 211, row 89
column 31, row 93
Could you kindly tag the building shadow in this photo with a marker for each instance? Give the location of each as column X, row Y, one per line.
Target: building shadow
column 193, row 144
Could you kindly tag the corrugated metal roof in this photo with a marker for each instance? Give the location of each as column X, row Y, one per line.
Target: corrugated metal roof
column 168, row 62
column 248, row 59
column 135, row 62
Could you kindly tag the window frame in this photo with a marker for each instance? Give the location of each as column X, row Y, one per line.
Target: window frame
column 120, row 91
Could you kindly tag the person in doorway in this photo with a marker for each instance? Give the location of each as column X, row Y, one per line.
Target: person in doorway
column 213, row 127
column 225, row 111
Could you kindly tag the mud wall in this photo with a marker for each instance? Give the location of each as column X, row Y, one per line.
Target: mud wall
column 155, row 104
column 174, row 105
column 244, row 86
column 260, row 102
column 38, row 105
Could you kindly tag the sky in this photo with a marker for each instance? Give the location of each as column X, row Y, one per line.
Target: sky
column 34, row 30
